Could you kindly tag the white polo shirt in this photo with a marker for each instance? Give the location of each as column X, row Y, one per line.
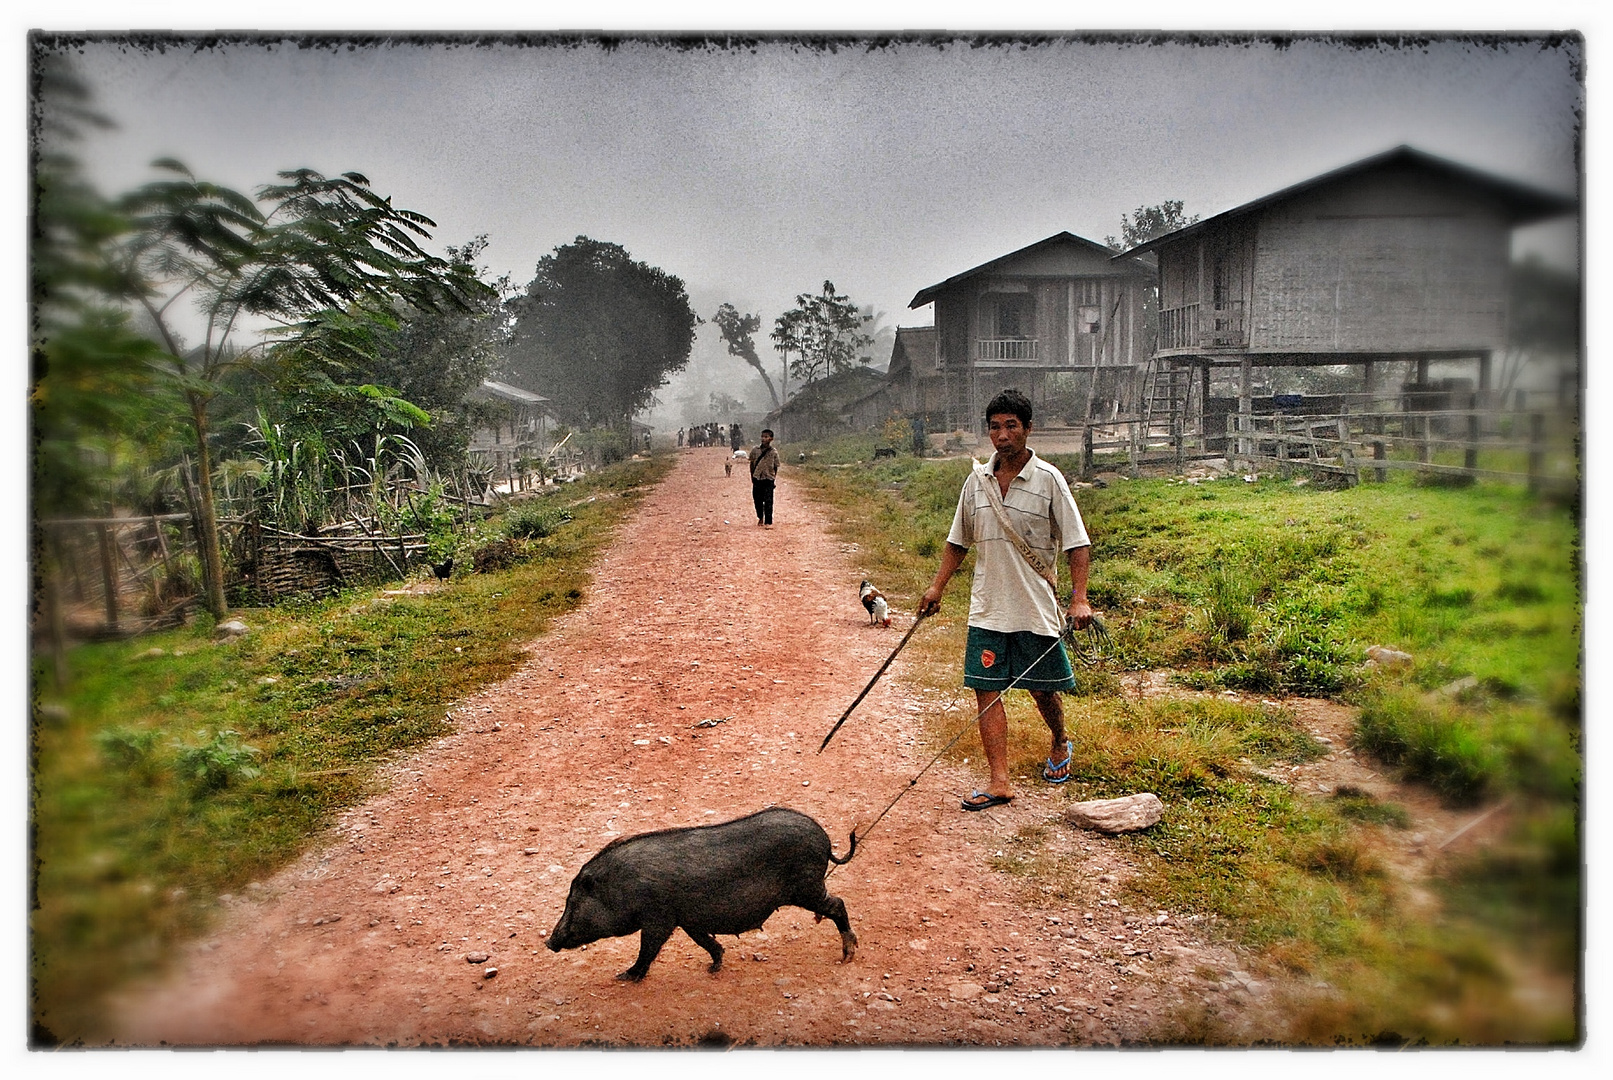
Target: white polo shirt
column 1008, row 595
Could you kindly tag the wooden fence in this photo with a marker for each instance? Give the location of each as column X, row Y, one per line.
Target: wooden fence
column 1537, row 448
column 108, row 576
column 117, row 576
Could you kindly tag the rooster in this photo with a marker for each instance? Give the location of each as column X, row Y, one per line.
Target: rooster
column 879, row 611
column 443, row 569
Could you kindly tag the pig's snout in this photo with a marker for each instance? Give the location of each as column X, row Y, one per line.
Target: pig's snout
column 559, row 937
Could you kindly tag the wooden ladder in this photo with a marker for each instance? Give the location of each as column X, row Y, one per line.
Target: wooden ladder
column 1165, row 401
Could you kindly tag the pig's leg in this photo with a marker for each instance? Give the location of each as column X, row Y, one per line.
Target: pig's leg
column 650, row 940
column 708, row 943
column 832, row 907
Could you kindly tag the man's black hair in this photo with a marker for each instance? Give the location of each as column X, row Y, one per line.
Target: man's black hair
column 768, row 431
column 1010, row 401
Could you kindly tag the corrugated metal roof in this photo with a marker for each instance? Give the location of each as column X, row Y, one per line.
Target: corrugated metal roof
column 1525, row 204
column 512, row 393
column 924, row 296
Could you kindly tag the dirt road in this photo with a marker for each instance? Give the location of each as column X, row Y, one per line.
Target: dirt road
column 420, row 918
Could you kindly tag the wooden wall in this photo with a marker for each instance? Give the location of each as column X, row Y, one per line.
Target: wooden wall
column 960, row 320
column 1388, row 263
column 954, row 345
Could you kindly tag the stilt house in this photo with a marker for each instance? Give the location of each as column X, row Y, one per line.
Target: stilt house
column 1402, row 256
column 515, row 426
column 1061, row 314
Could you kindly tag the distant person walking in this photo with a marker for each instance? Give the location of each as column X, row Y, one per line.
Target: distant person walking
column 1018, row 511
column 736, row 437
column 763, row 477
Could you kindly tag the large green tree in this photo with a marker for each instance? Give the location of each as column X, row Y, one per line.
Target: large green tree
column 92, row 396
column 434, row 359
column 300, row 280
column 598, row 332
column 824, row 334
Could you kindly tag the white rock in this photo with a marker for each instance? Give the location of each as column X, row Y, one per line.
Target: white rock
column 1126, row 814
column 230, row 628
column 1388, row 657
column 1459, row 687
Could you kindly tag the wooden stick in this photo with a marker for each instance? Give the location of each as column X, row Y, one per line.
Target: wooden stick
column 872, row 681
column 1453, row 837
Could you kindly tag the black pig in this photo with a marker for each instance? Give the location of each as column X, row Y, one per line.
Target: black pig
column 712, row 879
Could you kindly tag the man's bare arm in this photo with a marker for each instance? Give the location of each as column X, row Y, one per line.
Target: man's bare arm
column 1080, row 565
column 951, row 558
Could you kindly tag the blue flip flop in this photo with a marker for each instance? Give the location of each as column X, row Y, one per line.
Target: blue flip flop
column 1069, row 751
column 981, row 800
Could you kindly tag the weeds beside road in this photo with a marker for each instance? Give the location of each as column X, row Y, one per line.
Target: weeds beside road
column 1260, row 590
column 163, row 780
column 173, row 768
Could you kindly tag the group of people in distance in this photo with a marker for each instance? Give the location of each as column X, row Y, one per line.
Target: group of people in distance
column 712, row 434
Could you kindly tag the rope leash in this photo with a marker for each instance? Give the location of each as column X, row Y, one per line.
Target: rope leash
column 1092, row 653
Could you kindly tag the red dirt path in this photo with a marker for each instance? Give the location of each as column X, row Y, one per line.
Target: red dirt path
column 695, row 613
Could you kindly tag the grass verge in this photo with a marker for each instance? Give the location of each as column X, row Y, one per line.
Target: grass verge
column 1278, row 588
column 172, row 769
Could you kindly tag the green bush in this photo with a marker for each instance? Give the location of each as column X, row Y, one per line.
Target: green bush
column 431, row 513
column 215, row 761
column 602, row 446
column 531, row 521
column 127, row 748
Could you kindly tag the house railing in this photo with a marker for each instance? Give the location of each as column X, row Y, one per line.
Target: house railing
column 1179, row 327
column 1186, row 327
column 1007, row 349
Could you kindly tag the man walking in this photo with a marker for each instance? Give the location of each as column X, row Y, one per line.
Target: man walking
column 763, row 476
column 1019, row 511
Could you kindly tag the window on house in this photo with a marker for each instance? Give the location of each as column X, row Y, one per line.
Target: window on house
column 1009, row 315
column 1089, row 320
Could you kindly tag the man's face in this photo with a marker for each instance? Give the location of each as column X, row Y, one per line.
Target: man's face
column 767, row 440
column 1008, row 435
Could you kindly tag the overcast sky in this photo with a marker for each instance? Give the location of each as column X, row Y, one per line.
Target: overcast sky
column 755, row 173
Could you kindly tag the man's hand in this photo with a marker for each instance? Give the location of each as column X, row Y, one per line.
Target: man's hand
column 1080, row 614
column 930, row 602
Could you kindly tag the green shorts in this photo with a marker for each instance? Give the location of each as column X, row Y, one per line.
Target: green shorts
column 993, row 659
